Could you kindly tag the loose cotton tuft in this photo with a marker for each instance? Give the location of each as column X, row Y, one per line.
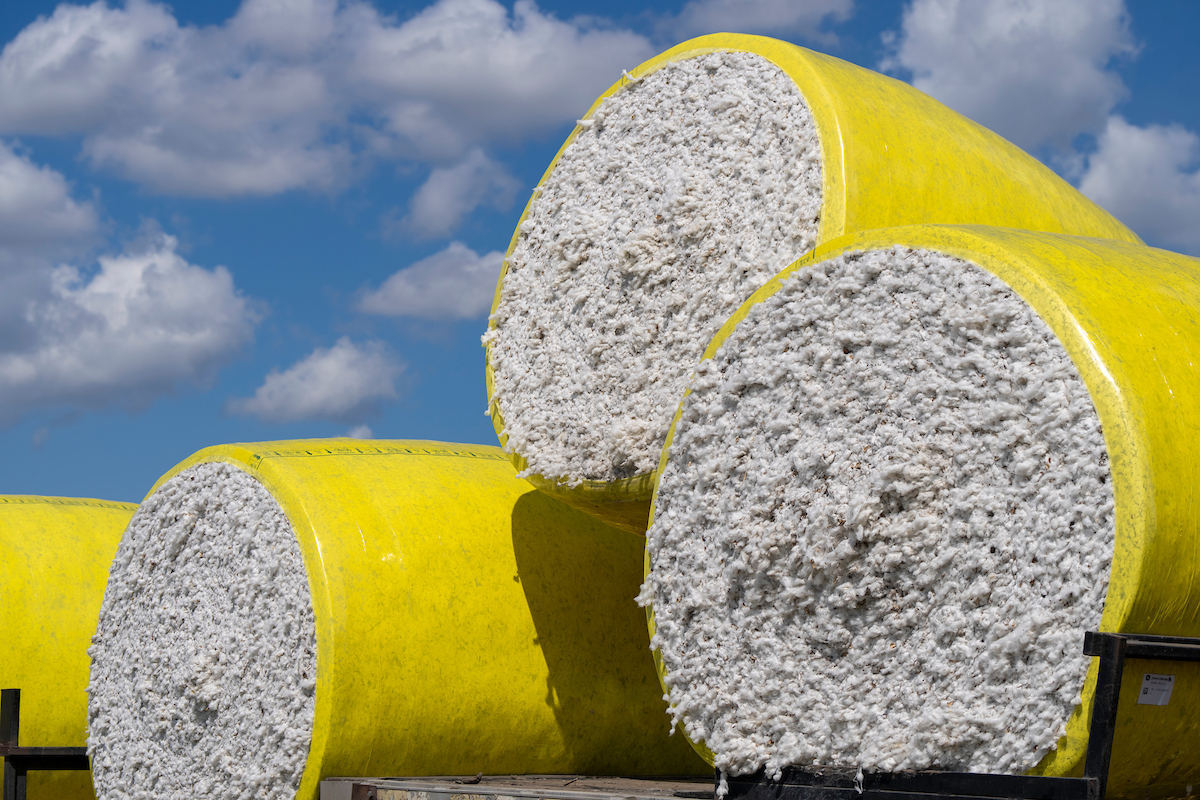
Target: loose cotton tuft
column 204, row 661
column 685, row 191
column 884, row 523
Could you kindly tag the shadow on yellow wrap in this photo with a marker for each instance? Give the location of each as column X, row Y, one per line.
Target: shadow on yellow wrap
column 465, row 621
column 1129, row 317
column 891, row 155
column 56, row 555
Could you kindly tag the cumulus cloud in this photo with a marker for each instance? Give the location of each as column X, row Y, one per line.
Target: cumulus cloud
column 1037, row 73
column 77, row 334
column 145, row 323
column 298, row 93
column 360, row 432
column 183, row 110
column 345, row 383
column 456, row 283
column 451, row 193
column 776, row 17
column 38, row 215
column 466, row 71
column 1149, row 178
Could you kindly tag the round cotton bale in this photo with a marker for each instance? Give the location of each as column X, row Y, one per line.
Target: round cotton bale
column 687, row 185
column 909, row 474
column 288, row 611
column 57, row 551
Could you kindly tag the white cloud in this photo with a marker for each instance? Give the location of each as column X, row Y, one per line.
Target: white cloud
column 38, row 216
column 297, row 93
column 360, row 432
column 1038, row 73
column 82, row 65
column 758, row 16
column 1148, row 178
column 451, row 193
column 344, row 383
column 182, row 110
column 468, row 71
column 146, row 322
column 456, row 283
column 121, row 332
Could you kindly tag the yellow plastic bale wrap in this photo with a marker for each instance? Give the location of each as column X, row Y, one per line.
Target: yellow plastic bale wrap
column 57, row 551
column 1128, row 316
column 465, row 622
column 890, row 155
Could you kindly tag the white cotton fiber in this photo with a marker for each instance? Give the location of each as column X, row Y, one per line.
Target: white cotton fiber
column 685, row 191
column 204, row 662
column 885, row 522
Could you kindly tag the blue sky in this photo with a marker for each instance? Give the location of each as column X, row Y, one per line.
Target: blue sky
column 239, row 221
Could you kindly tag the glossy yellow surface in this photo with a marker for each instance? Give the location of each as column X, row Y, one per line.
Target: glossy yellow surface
column 1129, row 317
column 891, row 155
column 56, row 555
column 465, row 621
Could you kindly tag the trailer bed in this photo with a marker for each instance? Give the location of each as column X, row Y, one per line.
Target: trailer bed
column 517, row 787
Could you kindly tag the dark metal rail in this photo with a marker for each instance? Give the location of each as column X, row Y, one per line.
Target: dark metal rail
column 19, row 760
column 842, row 783
column 802, row 783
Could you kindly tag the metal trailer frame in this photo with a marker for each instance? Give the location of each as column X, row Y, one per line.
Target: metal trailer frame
column 19, row 760
column 798, row 783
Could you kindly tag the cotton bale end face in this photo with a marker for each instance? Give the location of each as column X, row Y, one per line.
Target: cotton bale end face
column 447, row 634
column 685, row 186
column 57, row 552
column 995, row 417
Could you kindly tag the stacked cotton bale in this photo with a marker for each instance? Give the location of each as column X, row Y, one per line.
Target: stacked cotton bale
column 685, row 188
column 282, row 612
column 56, row 556
column 908, row 475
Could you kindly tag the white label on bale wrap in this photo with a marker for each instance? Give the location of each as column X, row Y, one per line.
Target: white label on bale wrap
column 1156, row 689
